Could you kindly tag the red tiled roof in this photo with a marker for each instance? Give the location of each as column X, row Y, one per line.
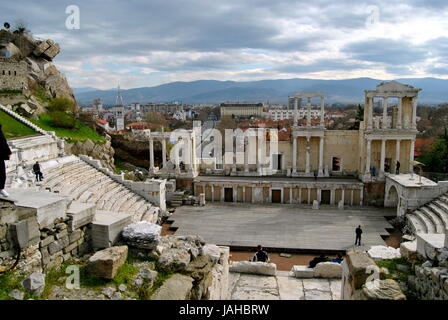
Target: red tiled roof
column 421, row 144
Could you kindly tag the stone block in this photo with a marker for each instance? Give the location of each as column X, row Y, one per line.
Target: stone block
column 70, row 247
column 45, row 242
column 178, row 287
column 315, row 205
column 34, row 283
column 75, row 236
column 428, row 244
column 27, row 232
column 143, row 234
column 357, row 263
column 341, row 205
column 408, row 250
column 80, row 214
column 62, row 234
column 302, row 272
column 105, row 263
column 380, row 290
column 379, row 253
column 174, row 259
column 262, row 268
column 328, row 270
column 107, row 228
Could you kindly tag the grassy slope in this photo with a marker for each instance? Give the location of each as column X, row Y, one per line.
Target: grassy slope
column 80, row 133
column 13, row 128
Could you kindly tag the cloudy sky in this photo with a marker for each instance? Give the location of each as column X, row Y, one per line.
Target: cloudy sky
column 149, row 42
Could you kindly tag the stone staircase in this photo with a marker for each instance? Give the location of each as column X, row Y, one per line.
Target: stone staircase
column 23, row 120
column 430, row 218
column 176, row 199
column 75, row 178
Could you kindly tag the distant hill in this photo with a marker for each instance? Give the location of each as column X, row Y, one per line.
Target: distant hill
column 211, row 91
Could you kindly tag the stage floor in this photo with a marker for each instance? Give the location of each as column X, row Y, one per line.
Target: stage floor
column 295, row 227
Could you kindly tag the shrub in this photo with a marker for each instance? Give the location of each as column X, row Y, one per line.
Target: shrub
column 61, row 119
column 61, row 104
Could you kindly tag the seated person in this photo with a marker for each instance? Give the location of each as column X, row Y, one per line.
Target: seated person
column 260, row 255
column 315, row 261
column 338, row 258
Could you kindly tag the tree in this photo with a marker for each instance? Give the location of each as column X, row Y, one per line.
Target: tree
column 435, row 158
column 155, row 120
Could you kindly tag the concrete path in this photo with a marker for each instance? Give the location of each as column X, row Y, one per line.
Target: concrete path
column 283, row 286
column 282, row 225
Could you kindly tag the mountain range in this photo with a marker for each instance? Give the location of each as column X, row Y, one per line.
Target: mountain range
column 434, row 91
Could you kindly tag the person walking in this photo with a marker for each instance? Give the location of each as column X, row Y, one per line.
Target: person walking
column 315, row 174
column 260, row 255
column 5, row 154
column 38, row 172
column 358, row 232
column 397, row 170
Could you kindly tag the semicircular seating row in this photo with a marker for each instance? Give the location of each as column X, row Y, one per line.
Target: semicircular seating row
column 430, row 218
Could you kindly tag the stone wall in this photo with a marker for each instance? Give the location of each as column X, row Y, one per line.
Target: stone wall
column 102, row 152
column 12, row 74
column 42, row 247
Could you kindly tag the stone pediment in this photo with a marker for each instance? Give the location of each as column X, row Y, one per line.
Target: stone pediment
column 395, row 86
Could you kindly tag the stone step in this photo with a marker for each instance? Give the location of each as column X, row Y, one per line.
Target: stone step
column 92, row 184
column 438, row 224
column 441, row 204
column 81, row 180
column 97, row 191
column 416, row 223
column 137, row 205
column 443, row 216
column 63, row 181
column 80, row 214
column 110, row 193
column 430, row 227
column 117, row 199
column 127, row 205
column 52, row 179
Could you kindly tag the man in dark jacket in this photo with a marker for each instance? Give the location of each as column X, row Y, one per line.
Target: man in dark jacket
column 358, row 232
column 5, row 154
column 38, row 172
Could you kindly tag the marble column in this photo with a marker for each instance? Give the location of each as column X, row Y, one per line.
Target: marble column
column 321, row 156
column 368, row 155
column 414, row 113
column 213, row 192
column 300, row 195
column 351, row 197
column 332, row 196
column 151, row 154
column 308, row 155
column 369, row 113
column 222, row 193
column 383, row 155
column 361, row 197
column 294, row 154
column 309, row 196
column 290, row 194
column 296, row 116
column 400, row 112
column 411, row 156
column 319, row 195
column 322, row 104
column 397, row 153
column 164, row 153
column 385, row 103
column 246, row 155
column 343, row 196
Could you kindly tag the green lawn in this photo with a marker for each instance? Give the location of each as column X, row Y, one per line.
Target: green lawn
column 81, row 132
column 13, row 128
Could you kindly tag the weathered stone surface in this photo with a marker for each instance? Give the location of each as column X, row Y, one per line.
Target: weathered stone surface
column 105, row 263
column 290, row 288
column 174, row 259
column 381, row 290
column 142, row 234
column 34, row 283
column 316, row 284
column 250, row 267
column 108, row 292
column 303, row 272
column 16, row 294
column 328, row 270
column 315, row 205
column 178, row 287
column 255, row 287
column 358, row 262
column 213, row 251
column 408, row 250
column 317, row 295
column 379, row 253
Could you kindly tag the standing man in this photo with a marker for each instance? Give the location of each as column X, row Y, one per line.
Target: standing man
column 37, row 171
column 358, row 232
column 5, row 154
column 260, row 255
column 397, row 170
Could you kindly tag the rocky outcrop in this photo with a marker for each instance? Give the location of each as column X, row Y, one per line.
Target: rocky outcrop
column 380, row 290
column 379, row 253
column 34, row 283
column 178, row 287
column 103, row 152
column 135, row 152
column 328, row 270
column 42, row 75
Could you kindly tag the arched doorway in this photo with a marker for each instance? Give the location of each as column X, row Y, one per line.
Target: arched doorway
column 391, row 200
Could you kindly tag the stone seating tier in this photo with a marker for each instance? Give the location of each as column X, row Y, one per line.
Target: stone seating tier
column 430, row 218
